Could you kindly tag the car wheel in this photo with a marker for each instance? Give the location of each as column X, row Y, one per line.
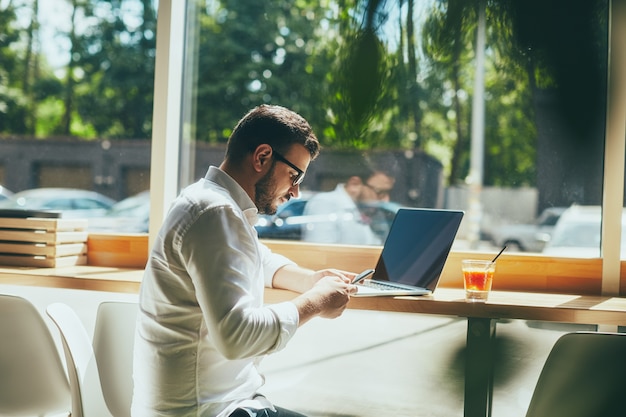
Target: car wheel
column 514, row 246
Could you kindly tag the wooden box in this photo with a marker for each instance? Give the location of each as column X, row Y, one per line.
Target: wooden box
column 43, row 242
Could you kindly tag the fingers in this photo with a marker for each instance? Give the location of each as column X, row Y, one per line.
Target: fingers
column 352, row 289
column 340, row 278
column 334, row 293
column 345, row 276
column 345, row 283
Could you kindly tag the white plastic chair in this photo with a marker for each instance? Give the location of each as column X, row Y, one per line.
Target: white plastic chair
column 100, row 373
column 81, row 363
column 32, row 378
column 113, row 340
column 583, row 376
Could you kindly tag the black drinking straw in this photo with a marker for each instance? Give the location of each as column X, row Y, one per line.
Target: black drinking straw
column 499, row 253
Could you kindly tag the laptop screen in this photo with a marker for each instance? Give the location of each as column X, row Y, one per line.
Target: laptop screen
column 417, row 246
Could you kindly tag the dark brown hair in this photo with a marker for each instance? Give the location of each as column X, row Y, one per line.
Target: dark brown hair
column 276, row 126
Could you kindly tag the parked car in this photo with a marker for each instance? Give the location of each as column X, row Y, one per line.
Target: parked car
column 528, row 237
column 289, row 219
column 70, row 202
column 285, row 224
column 130, row 215
column 578, row 233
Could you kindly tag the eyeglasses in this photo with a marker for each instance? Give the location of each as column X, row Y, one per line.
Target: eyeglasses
column 380, row 193
column 298, row 178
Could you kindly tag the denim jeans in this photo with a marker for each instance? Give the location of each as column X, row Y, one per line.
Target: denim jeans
column 266, row 412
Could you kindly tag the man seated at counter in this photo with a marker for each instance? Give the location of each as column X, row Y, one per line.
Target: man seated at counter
column 203, row 327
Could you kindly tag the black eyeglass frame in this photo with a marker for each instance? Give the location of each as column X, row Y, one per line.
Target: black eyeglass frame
column 379, row 193
column 300, row 177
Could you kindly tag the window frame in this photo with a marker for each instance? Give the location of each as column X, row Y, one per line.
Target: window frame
column 614, row 152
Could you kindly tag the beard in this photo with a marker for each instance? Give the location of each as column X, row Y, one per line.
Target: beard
column 264, row 197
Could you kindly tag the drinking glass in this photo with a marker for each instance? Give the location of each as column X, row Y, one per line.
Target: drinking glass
column 477, row 279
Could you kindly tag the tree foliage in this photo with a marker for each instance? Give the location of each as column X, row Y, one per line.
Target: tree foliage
column 367, row 74
column 116, row 57
column 252, row 52
column 12, row 102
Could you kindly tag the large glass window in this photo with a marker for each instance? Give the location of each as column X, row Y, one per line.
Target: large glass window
column 496, row 108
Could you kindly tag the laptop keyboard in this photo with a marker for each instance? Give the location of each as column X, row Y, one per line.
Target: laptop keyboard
column 380, row 285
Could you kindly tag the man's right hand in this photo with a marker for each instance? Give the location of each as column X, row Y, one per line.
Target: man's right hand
column 328, row 299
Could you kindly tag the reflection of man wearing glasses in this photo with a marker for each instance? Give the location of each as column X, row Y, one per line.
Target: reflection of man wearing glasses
column 334, row 216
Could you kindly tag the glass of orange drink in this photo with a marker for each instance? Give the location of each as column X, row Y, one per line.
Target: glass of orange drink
column 477, row 279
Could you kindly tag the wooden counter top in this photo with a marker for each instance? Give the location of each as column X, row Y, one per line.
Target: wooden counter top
column 95, row 278
column 501, row 305
column 564, row 308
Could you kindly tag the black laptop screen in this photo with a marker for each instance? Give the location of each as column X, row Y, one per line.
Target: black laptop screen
column 417, row 246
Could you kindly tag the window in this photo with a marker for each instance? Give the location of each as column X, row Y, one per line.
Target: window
column 582, row 176
column 506, row 130
column 77, row 99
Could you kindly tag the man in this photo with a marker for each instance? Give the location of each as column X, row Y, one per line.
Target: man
column 334, row 216
column 203, row 328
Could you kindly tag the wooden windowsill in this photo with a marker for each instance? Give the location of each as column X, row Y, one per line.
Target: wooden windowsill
column 118, row 261
column 514, row 272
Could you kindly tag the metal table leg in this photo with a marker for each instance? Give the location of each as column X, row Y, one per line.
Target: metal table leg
column 479, row 363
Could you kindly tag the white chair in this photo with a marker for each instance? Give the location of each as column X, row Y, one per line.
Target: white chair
column 583, row 376
column 81, row 364
column 113, row 340
column 32, row 378
column 100, row 372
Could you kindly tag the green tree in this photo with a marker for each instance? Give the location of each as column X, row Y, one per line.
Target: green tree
column 449, row 47
column 361, row 85
column 13, row 103
column 32, row 72
column 253, row 52
column 69, row 85
column 510, row 135
column 336, row 63
column 115, row 58
column 510, row 132
column 28, row 88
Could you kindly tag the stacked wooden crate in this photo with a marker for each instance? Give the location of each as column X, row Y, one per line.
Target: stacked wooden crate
column 42, row 242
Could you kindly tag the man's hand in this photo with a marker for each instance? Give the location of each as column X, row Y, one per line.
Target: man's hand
column 345, row 276
column 327, row 298
column 295, row 278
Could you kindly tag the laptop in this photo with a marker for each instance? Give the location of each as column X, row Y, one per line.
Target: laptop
column 414, row 253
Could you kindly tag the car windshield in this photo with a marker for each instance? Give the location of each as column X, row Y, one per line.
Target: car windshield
column 132, row 207
column 579, row 235
column 549, row 217
column 294, row 208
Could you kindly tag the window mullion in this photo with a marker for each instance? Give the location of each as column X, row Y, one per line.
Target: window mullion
column 614, row 152
column 167, row 110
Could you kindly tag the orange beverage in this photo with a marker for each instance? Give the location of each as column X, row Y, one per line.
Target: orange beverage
column 477, row 279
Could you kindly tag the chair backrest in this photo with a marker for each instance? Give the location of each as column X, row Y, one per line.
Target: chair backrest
column 113, row 341
column 81, row 363
column 32, row 377
column 584, row 376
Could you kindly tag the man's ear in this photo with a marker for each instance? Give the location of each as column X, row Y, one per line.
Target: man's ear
column 261, row 156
